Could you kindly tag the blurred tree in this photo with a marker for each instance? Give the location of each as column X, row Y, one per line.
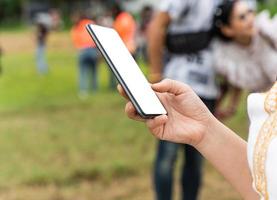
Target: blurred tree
column 10, row 10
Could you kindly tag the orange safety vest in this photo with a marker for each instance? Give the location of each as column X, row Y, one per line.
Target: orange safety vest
column 80, row 37
column 125, row 25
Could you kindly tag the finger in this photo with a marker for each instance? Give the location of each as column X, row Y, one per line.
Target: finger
column 132, row 113
column 170, row 86
column 122, row 92
column 156, row 122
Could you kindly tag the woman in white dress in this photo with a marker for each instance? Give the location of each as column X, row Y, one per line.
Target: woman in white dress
column 251, row 169
column 245, row 48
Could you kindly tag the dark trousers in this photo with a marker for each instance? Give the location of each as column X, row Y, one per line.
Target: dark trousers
column 191, row 169
column 88, row 78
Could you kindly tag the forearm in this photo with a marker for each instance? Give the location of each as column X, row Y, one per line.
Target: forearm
column 156, row 40
column 228, row 153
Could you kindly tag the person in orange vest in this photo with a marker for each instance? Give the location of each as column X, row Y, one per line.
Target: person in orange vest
column 125, row 25
column 88, row 55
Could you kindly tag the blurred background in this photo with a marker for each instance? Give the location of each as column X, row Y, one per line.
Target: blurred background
column 59, row 143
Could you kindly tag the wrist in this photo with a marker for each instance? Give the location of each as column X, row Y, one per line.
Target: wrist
column 209, row 134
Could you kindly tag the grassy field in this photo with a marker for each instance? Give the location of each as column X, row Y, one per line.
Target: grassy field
column 55, row 146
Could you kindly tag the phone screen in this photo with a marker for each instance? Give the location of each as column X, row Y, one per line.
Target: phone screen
column 126, row 70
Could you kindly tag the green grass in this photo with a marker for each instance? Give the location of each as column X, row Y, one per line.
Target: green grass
column 48, row 136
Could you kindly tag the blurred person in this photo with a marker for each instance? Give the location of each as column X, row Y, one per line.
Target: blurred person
column 57, row 22
column 1, row 67
column 87, row 56
column 181, row 30
column 125, row 25
column 245, row 50
column 43, row 24
column 106, row 20
column 146, row 15
column 249, row 167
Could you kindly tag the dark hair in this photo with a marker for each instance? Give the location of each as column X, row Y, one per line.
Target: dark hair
column 222, row 17
column 116, row 9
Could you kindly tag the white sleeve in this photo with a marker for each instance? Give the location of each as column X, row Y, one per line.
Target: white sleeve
column 174, row 8
column 267, row 25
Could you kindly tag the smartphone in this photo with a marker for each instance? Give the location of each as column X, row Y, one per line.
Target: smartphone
column 126, row 71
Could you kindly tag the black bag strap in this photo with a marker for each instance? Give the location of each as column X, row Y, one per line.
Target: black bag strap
column 188, row 43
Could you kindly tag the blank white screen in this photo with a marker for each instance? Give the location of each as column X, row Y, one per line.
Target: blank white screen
column 128, row 70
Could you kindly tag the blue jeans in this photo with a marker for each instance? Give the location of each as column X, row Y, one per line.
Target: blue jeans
column 41, row 60
column 88, row 78
column 191, row 169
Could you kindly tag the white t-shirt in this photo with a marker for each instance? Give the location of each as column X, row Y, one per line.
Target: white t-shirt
column 191, row 16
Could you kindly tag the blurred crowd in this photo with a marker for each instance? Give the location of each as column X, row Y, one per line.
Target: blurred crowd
column 218, row 47
column 132, row 31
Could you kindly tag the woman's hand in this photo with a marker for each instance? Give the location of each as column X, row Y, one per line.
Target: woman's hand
column 189, row 121
column 188, row 118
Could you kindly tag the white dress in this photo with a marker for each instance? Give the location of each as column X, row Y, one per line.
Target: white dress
column 258, row 116
column 253, row 67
